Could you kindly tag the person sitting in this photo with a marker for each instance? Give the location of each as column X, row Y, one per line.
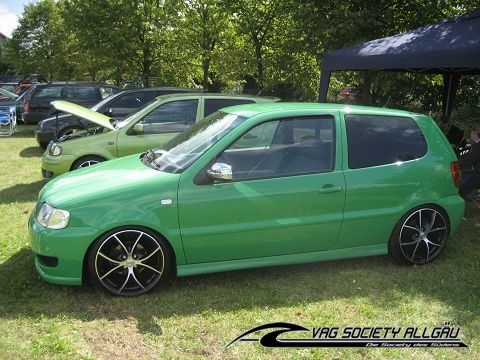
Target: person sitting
column 454, row 134
column 470, row 165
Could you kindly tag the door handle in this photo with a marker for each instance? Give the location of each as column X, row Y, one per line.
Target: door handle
column 328, row 189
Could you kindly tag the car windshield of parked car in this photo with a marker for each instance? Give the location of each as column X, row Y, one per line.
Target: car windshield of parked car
column 185, row 148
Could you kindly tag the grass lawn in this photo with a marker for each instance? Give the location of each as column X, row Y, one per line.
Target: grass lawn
column 196, row 317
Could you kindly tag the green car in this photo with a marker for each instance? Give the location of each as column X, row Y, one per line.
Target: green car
column 153, row 125
column 251, row 186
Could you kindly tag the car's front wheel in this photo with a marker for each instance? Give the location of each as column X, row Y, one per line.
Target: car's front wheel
column 86, row 161
column 128, row 261
column 420, row 235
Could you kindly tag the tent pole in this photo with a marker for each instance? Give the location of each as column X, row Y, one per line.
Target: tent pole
column 323, row 86
column 450, row 86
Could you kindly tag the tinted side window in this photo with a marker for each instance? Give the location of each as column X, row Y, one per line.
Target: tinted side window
column 88, row 93
column 379, row 140
column 54, row 92
column 106, row 91
column 132, row 100
column 283, row 148
column 174, row 116
column 212, row 105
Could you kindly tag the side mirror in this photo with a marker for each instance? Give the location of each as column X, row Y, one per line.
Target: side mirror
column 138, row 129
column 220, row 171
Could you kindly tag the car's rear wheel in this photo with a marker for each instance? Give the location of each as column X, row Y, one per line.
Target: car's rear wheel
column 86, row 161
column 128, row 261
column 420, row 235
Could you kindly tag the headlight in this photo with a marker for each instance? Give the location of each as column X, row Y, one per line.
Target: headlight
column 54, row 149
column 52, row 218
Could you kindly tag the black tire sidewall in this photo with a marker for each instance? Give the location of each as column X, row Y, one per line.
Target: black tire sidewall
column 91, row 254
column 394, row 249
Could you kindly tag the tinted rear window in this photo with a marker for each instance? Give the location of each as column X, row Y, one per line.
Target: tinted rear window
column 379, row 140
column 82, row 93
column 212, row 105
column 132, row 100
column 54, row 92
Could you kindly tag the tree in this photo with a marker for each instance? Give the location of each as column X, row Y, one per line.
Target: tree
column 124, row 35
column 202, row 29
column 255, row 19
column 38, row 43
column 5, row 65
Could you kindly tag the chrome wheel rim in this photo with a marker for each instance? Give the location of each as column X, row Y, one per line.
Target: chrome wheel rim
column 87, row 163
column 423, row 235
column 129, row 262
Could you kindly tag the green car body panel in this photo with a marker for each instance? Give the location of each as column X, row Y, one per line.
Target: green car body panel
column 229, row 225
column 124, row 141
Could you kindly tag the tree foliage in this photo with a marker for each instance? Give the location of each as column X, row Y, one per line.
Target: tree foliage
column 259, row 46
column 38, row 43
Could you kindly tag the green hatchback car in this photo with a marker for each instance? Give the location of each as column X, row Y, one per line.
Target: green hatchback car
column 153, row 125
column 251, row 186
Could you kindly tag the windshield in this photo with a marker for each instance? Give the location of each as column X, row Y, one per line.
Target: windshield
column 185, row 148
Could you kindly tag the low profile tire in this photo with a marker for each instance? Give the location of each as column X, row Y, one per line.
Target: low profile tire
column 86, row 161
column 128, row 261
column 420, row 235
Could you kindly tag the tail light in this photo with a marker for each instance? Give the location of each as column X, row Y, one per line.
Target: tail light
column 27, row 106
column 455, row 169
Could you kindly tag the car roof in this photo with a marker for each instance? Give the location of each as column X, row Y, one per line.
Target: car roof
column 215, row 96
column 261, row 108
column 59, row 83
column 165, row 88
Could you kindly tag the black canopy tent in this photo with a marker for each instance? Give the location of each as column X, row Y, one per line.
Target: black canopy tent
column 450, row 48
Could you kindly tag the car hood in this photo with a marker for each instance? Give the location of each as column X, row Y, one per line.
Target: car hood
column 83, row 112
column 108, row 179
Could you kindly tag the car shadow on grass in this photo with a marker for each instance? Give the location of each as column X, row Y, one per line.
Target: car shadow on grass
column 32, row 152
column 21, row 192
column 24, row 131
column 375, row 282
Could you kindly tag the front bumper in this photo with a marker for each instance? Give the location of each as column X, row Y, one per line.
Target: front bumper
column 32, row 118
column 59, row 254
column 43, row 138
column 53, row 166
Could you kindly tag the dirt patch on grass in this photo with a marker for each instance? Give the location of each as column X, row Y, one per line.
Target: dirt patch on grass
column 117, row 339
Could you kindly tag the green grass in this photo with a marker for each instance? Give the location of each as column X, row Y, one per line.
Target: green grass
column 196, row 317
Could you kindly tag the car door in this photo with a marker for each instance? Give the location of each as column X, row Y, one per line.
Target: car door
column 158, row 126
column 286, row 196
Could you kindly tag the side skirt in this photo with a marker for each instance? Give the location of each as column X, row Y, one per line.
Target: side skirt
column 204, row 268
